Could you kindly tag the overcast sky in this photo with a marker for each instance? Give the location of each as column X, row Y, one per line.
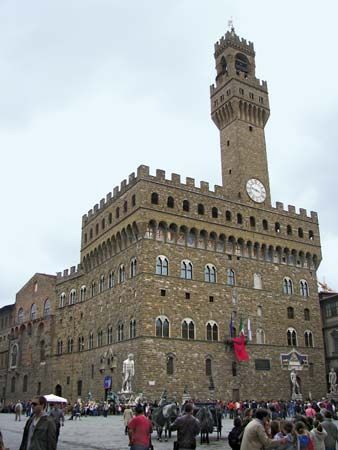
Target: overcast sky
column 91, row 89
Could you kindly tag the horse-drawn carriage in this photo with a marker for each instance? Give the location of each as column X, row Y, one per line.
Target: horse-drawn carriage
column 210, row 416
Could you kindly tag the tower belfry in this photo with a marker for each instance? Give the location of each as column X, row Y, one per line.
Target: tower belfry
column 240, row 110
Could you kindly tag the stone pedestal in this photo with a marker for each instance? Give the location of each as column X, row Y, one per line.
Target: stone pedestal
column 126, row 397
column 332, row 396
column 295, row 396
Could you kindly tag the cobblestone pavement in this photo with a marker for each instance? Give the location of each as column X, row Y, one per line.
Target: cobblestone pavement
column 97, row 433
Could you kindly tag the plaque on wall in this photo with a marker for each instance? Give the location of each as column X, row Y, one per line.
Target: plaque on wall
column 294, row 361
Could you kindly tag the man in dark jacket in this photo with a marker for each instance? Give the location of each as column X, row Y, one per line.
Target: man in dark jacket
column 40, row 430
column 187, row 427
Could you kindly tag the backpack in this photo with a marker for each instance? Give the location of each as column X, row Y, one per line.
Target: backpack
column 235, row 437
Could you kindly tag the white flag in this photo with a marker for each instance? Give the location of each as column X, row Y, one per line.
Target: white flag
column 249, row 330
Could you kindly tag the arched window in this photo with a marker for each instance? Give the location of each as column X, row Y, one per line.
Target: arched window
column 210, row 273
column 83, row 293
column 306, row 314
column 125, row 206
column 265, row 224
column 110, row 335
column 257, row 281
column 252, row 222
column 287, row 286
column 62, row 300
column 289, row 230
column 91, row 341
column 70, row 345
column 103, row 223
column 25, row 383
column 133, row 200
column 170, row 365
column 162, row 265
column 212, row 331
column 223, row 65
column 14, row 355
column 46, row 308
column 260, row 336
column 110, row 218
column 120, row 332
column 241, row 63
column 162, row 326
column 93, row 288
column 290, row 313
column 132, row 329
column 42, row 351
column 308, row 338
column 186, row 269
column 20, row 315
column 228, row 216
column 214, row 213
column 200, row 209
column 133, row 268
column 100, row 338
column 72, row 297
column 59, row 347
column 91, row 233
column 231, row 277
column 33, row 311
column 239, row 218
column 208, row 367
column 81, row 344
column 186, row 206
column 188, row 329
column 291, row 337
column 154, row 198
column 97, row 229
column 122, row 274
column 101, row 285
column 170, row 202
column 111, row 279
column 303, row 288
column 311, row 235
column 300, row 232
column 117, row 212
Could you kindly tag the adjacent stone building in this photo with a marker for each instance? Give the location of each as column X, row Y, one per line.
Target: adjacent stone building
column 329, row 312
column 166, row 265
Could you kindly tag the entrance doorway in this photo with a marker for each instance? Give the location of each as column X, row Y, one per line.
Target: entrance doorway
column 58, row 390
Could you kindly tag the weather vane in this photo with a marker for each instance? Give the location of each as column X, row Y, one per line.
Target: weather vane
column 231, row 25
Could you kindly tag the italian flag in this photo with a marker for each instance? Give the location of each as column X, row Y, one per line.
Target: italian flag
column 241, row 330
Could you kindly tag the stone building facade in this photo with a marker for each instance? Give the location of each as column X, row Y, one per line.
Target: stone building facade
column 329, row 312
column 166, row 265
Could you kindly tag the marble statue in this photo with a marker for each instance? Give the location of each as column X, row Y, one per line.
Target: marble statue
column 128, row 373
column 295, row 384
column 333, row 381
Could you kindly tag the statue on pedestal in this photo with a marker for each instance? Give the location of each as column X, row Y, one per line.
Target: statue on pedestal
column 128, row 373
column 295, row 384
column 333, row 381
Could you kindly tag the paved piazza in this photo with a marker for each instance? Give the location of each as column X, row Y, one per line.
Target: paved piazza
column 97, row 433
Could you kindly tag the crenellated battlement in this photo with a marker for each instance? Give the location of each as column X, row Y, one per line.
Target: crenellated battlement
column 143, row 173
column 230, row 39
column 69, row 274
column 260, row 84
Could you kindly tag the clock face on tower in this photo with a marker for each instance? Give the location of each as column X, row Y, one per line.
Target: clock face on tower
column 256, row 190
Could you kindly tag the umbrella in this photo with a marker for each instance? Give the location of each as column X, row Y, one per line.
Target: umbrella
column 51, row 398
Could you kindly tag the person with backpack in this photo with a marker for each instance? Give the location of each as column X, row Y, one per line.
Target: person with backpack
column 303, row 437
column 235, row 435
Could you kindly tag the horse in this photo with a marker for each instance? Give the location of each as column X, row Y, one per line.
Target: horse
column 206, row 422
column 217, row 417
column 163, row 416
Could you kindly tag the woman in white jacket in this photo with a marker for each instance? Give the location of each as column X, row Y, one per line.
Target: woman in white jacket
column 318, row 434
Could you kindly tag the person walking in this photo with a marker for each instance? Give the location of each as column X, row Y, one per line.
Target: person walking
column 139, row 430
column 18, row 411
column 331, row 430
column 40, row 430
column 318, row 435
column 255, row 437
column 127, row 416
column 187, row 427
column 59, row 417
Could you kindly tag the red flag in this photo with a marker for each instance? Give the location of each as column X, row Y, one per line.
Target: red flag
column 239, row 348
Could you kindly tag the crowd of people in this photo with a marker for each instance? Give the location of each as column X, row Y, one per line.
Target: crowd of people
column 286, row 425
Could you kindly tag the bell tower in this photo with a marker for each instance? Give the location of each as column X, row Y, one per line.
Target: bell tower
column 240, row 110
